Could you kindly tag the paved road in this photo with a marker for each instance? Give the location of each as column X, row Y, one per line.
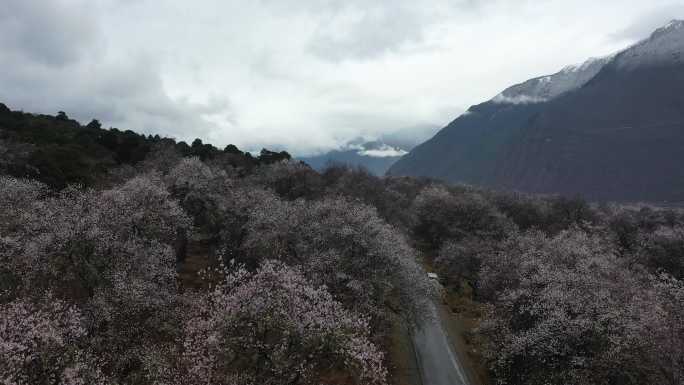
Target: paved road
column 437, row 362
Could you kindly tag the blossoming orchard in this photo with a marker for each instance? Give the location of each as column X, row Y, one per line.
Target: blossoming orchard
column 178, row 270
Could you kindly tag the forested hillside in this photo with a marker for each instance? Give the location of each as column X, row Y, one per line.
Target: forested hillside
column 59, row 151
column 174, row 264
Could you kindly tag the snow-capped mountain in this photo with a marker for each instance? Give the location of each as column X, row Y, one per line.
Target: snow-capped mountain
column 545, row 88
column 611, row 128
column 664, row 46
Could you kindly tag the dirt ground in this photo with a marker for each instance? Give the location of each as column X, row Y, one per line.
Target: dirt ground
column 402, row 362
column 461, row 317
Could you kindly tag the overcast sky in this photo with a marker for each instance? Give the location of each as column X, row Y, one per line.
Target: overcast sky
column 300, row 75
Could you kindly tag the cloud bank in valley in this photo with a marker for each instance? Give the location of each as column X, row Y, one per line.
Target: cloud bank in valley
column 306, row 75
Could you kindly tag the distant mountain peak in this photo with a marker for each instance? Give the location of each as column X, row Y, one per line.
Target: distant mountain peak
column 672, row 26
column 545, row 88
column 588, row 64
column 610, row 129
column 664, row 46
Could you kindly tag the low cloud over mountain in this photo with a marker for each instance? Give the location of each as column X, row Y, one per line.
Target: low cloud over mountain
column 304, row 76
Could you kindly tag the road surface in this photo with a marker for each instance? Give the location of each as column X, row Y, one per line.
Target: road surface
column 437, row 362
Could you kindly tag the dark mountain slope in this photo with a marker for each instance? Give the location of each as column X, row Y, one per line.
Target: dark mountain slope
column 466, row 149
column 621, row 137
column 375, row 165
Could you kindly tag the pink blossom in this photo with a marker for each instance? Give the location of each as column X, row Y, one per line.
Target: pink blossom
column 273, row 327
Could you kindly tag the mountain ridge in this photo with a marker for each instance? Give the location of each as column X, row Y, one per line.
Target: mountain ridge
column 613, row 136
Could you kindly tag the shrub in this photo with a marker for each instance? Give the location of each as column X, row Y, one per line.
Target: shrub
column 526, row 211
column 443, row 215
column 567, row 212
column 663, row 251
column 365, row 263
column 273, row 327
column 39, row 344
column 16, row 197
column 460, row 262
column 289, row 179
column 571, row 312
column 108, row 252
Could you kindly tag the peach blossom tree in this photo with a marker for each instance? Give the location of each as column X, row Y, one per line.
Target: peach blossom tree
column 273, row 327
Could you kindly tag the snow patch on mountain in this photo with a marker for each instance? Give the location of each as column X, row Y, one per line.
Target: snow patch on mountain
column 664, row 46
column 545, row 88
column 517, row 99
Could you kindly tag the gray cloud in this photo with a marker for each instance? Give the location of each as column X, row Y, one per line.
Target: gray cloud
column 408, row 137
column 360, row 31
column 368, row 29
column 301, row 75
column 646, row 23
column 46, row 32
column 55, row 58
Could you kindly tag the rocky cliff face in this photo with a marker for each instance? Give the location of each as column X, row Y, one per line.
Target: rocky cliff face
column 609, row 129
